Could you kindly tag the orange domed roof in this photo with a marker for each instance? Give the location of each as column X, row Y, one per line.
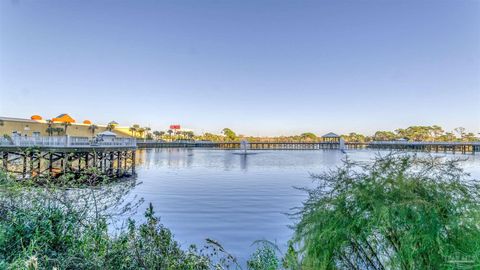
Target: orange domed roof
column 87, row 122
column 36, row 117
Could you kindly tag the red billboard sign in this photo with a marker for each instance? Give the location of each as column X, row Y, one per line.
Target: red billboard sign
column 174, row 126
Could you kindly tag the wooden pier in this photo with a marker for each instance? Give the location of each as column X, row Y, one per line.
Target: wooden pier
column 437, row 147
column 30, row 157
column 237, row 145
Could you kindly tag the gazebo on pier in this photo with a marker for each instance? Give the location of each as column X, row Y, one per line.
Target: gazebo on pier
column 331, row 138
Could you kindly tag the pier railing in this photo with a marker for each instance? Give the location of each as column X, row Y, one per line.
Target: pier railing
column 67, row 141
column 421, row 143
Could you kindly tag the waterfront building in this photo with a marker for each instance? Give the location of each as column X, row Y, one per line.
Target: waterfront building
column 38, row 126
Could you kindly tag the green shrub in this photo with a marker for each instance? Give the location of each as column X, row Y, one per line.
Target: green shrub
column 399, row 212
column 264, row 258
column 47, row 237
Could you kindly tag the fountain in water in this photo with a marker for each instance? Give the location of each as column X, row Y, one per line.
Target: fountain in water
column 244, row 146
column 341, row 145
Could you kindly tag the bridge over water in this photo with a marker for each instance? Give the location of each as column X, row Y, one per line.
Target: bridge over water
column 445, row 147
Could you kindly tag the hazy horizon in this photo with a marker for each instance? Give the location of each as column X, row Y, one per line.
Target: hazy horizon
column 261, row 68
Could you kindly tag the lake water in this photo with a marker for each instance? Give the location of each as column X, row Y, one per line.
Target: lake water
column 234, row 199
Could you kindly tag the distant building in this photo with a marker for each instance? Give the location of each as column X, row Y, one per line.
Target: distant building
column 331, row 137
column 37, row 126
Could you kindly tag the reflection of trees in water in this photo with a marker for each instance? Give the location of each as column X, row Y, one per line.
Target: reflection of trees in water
column 111, row 202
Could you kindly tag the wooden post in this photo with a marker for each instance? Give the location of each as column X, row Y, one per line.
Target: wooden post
column 119, row 163
column 133, row 161
column 65, row 162
column 50, row 164
column 5, row 161
column 24, row 164
column 31, row 164
column 110, row 171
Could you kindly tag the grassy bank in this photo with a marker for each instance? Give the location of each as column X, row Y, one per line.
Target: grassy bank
column 397, row 212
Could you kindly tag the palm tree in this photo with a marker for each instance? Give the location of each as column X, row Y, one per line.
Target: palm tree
column 141, row 131
column 189, row 134
column 110, row 127
column 170, row 133
column 65, row 126
column 156, row 134
column 58, row 130
column 147, row 129
column 50, row 128
column 133, row 130
column 92, row 128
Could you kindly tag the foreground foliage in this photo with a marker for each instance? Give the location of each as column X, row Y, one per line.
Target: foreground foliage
column 50, row 228
column 48, row 237
column 399, row 212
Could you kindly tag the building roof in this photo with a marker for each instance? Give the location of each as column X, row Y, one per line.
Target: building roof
column 107, row 133
column 13, row 119
column 113, row 123
column 330, row 135
column 64, row 118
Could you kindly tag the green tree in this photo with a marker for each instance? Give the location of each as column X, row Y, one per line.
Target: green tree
column 133, row 130
column 189, row 135
column 147, row 130
column 400, row 212
column 461, row 132
column 110, row 127
column 308, row 136
column 354, row 137
column 156, row 134
column 59, row 130
column 436, row 132
column 92, row 128
column 141, row 132
column 231, row 136
column 447, row 137
column 65, row 126
column 469, row 137
column 170, row 132
column 384, row 136
column 50, row 129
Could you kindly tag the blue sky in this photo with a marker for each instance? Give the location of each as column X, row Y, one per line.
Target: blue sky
column 258, row 67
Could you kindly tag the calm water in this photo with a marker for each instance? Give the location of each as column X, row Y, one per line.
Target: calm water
column 232, row 198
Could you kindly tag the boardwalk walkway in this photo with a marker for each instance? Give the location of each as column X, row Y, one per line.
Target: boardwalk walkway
column 450, row 147
column 29, row 157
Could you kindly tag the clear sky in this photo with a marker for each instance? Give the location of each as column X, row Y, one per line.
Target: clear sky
column 258, row 67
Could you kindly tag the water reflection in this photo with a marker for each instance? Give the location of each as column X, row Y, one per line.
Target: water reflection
column 243, row 162
column 235, row 199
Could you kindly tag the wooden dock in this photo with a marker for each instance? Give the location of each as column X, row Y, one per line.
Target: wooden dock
column 30, row 157
column 437, row 147
column 237, row 145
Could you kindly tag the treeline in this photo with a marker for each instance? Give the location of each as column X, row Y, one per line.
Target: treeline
column 415, row 133
column 412, row 133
